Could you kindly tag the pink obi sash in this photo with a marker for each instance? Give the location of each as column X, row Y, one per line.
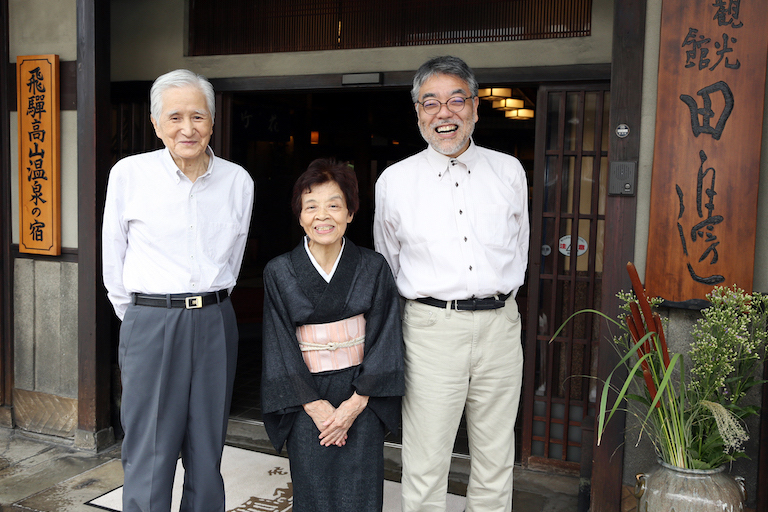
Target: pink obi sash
column 332, row 346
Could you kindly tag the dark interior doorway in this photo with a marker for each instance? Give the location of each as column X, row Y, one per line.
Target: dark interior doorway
column 275, row 135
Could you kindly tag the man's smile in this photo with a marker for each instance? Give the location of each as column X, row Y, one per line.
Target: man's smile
column 446, row 128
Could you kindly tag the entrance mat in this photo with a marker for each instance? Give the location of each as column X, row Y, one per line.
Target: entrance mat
column 257, row 482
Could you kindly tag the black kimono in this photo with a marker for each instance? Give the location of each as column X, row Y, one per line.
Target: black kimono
column 331, row 478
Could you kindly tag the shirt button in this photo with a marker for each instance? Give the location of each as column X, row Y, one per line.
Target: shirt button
column 460, row 212
column 457, row 183
column 465, row 239
column 470, row 267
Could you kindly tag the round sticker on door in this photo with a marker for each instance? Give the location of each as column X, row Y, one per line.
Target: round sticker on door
column 565, row 246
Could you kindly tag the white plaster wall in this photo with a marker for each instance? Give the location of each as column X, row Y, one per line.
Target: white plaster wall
column 647, row 131
column 760, row 280
column 148, row 38
column 41, row 27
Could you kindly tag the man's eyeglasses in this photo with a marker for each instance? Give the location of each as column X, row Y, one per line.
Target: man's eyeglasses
column 455, row 104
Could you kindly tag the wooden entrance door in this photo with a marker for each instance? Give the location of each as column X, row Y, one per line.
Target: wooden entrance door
column 565, row 271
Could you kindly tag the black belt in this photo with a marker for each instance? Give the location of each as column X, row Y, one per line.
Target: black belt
column 180, row 300
column 468, row 304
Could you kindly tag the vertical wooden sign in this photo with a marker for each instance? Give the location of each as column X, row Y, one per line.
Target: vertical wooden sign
column 706, row 162
column 38, row 108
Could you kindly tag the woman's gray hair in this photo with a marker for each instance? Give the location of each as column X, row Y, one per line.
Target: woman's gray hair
column 445, row 65
column 180, row 78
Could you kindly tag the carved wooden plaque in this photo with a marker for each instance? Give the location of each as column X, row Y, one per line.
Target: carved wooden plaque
column 706, row 162
column 38, row 106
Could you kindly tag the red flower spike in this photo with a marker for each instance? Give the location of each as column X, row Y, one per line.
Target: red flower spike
column 633, row 328
column 641, row 330
column 662, row 339
column 649, row 382
column 642, row 299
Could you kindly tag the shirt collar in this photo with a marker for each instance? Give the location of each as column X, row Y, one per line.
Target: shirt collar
column 173, row 169
column 327, row 276
column 439, row 162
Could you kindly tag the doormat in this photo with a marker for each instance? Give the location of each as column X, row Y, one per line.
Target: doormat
column 256, row 482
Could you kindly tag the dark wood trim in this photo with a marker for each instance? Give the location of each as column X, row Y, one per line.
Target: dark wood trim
column 6, row 263
column 533, row 275
column 222, row 139
column 93, row 155
column 762, row 465
column 67, row 92
column 400, row 79
column 68, row 255
column 620, row 214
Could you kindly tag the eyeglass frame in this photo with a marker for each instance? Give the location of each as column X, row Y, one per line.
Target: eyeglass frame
column 464, row 103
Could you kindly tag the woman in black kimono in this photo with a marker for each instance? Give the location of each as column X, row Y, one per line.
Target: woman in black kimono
column 332, row 373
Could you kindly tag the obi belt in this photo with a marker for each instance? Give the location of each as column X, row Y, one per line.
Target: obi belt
column 332, row 346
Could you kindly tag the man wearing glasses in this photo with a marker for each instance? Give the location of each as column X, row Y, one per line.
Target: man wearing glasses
column 452, row 221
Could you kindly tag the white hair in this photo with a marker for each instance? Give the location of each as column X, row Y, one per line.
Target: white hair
column 180, row 78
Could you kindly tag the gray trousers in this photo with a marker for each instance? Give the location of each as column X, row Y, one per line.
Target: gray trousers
column 178, row 369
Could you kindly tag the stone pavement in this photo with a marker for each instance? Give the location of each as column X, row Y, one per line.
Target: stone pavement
column 38, row 475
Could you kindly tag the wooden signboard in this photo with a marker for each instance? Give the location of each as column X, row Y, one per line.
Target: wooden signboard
column 706, row 162
column 37, row 89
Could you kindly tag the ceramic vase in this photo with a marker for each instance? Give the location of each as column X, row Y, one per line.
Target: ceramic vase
column 673, row 489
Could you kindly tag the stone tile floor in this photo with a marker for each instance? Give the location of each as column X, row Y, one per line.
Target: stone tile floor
column 38, row 475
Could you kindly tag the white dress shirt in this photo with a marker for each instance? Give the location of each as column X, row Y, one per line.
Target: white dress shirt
column 454, row 228
column 164, row 234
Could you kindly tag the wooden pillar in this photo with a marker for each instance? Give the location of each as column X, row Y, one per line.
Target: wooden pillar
column 762, row 468
column 620, row 214
column 93, row 140
column 6, row 267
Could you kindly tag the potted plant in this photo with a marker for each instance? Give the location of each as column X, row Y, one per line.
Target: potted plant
column 693, row 416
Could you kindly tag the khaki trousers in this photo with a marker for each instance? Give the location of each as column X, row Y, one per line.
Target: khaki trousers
column 456, row 360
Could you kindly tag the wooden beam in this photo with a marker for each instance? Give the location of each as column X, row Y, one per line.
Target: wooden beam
column 93, row 140
column 762, row 467
column 6, row 266
column 400, row 79
column 620, row 214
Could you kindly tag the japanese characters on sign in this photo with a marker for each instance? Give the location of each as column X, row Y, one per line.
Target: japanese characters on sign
column 37, row 80
column 711, row 90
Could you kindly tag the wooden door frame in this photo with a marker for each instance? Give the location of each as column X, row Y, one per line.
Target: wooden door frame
column 94, row 430
column 6, row 267
column 620, row 213
column 534, row 261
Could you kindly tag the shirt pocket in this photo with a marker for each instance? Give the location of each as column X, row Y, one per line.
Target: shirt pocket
column 219, row 239
column 493, row 224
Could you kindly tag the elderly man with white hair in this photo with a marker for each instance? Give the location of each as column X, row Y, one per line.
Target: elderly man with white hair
column 175, row 226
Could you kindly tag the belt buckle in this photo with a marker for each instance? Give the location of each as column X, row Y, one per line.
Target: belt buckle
column 464, row 305
column 194, row 302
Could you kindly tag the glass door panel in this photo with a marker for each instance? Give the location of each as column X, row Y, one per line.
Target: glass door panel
column 565, row 272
